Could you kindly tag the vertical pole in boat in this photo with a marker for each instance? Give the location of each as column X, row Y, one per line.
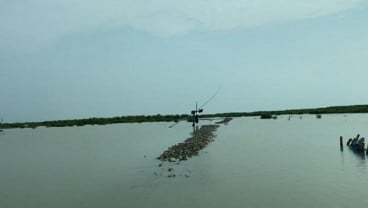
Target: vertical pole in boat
column 362, row 144
column 349, row 142
column 195, row 116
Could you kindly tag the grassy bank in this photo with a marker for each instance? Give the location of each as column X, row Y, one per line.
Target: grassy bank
column 97, row 121
column 176, row 118
column 324, row 110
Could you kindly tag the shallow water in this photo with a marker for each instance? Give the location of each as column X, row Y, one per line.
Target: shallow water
column 251, row 163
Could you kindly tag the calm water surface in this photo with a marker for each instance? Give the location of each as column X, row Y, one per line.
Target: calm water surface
column 251, row 163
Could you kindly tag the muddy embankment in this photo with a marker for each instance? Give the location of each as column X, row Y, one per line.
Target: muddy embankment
column 191, row 146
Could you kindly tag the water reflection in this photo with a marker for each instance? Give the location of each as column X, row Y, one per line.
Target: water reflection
column 342, row 157
column 355, row 161
column 359, row 154
column 361, row 158
column 195, row 128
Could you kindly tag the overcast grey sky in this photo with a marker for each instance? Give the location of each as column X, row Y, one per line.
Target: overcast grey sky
column 65, row 59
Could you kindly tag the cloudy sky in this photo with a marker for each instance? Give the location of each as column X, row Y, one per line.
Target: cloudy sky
column 65, row 59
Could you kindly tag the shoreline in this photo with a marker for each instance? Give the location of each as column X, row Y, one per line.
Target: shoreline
column 183, row 117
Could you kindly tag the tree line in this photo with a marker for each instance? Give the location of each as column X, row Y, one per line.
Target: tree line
column 184, row 117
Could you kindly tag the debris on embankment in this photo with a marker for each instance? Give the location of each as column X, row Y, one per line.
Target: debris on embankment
column 225, row 121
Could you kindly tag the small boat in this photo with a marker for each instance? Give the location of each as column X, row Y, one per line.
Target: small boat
column 357, row 144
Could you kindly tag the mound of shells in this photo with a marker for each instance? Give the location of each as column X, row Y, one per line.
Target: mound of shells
column 191, row 146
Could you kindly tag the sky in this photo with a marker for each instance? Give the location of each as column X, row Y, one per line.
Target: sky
column 65, row 59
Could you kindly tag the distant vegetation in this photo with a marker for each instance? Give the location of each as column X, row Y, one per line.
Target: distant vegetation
column 325, row 110
column 97, row 121
column 175, row 118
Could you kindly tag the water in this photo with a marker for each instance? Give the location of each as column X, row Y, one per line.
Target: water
column 251, row 163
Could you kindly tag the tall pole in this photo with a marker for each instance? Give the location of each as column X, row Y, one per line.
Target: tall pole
column 195, row 114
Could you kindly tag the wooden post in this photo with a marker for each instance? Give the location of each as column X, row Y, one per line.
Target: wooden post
column 341, row 144
column 362, row 144
column 349, row 142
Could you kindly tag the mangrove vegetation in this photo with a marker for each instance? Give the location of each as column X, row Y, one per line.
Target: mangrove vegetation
column 186, row 117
